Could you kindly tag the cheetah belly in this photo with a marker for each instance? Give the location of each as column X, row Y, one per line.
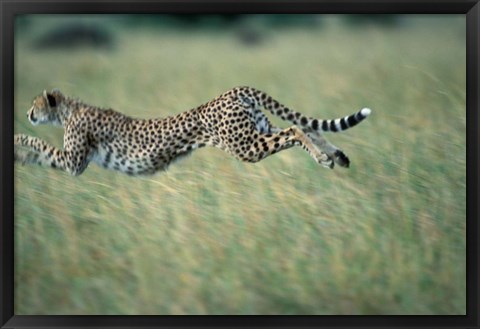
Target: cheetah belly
column 126, row 161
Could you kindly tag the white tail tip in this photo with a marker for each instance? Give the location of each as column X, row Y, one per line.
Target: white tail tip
column 365, row 112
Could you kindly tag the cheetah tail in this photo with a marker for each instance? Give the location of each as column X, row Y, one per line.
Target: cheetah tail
column 333, row 125
column 340, row 124
column 280, row 110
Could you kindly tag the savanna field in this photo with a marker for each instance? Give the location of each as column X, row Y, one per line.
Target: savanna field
column 213, row 235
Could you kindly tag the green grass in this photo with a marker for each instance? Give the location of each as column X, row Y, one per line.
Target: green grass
column 284, row 236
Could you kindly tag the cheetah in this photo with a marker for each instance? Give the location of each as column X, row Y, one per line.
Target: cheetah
column 233, row 122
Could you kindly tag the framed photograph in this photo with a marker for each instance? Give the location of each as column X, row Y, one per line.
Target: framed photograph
column 219, row 164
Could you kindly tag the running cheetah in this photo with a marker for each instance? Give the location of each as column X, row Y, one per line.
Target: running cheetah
column 232, row 122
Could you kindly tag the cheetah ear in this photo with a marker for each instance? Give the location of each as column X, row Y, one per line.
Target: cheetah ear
column 56, row 91
column 58, row 95
column 49, row 97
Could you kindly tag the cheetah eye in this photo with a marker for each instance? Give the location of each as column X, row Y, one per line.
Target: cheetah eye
column 51, row 100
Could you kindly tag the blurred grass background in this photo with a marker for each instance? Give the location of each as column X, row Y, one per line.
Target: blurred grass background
column 283, row 236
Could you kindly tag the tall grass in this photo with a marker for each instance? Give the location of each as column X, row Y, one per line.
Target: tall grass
column 284, row 236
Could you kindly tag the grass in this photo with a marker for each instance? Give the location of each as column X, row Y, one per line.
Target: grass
column 284, row 236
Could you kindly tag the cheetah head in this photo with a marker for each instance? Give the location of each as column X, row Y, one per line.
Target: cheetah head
column 45, row 108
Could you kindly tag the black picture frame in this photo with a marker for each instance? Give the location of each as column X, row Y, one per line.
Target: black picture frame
column 10, row 8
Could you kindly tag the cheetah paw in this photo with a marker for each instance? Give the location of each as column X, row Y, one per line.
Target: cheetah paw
column 23, row 157
column 325, row 160
column 20, row 139
column 341, row 159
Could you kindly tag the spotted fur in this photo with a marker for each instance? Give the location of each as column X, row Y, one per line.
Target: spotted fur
column 233, row 122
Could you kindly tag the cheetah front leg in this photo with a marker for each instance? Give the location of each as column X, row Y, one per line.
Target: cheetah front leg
column 33, row 150
column 24, row 157
column 37, row 151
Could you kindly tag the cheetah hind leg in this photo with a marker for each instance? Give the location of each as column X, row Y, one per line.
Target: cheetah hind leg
column 318, row 154
column 333, row 152
column 312, row 146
